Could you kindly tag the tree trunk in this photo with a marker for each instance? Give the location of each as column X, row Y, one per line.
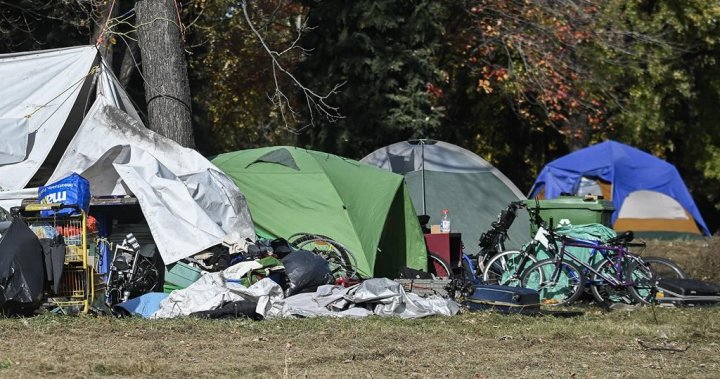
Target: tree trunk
column 167, row 88
column 127, row 66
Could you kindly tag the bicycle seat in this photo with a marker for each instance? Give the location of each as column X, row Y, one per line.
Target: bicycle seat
column 625, row 237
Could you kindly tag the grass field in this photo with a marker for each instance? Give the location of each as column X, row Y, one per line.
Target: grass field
column 647, row 342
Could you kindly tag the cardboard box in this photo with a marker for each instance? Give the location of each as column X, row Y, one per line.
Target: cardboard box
column 435, row 229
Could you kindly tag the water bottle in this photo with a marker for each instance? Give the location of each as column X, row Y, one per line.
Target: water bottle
column 445, row 222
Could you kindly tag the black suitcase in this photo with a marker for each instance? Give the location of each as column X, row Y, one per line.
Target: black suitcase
column 503, row 298
column 688, row 292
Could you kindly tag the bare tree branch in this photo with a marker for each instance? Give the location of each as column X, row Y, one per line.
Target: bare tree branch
column 316, row 104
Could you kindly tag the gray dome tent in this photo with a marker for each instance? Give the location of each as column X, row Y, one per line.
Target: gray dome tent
column 441, row 176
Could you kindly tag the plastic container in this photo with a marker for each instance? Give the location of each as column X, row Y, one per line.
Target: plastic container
column 445, row 222
column 573, row 210
column 180, row 275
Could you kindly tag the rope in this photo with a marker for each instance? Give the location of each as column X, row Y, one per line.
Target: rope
column 92, row 71
column 101, row 37
column 180, row 27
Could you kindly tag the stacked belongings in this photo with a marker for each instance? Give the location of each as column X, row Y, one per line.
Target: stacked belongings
column 237, row 263
column 272, row 278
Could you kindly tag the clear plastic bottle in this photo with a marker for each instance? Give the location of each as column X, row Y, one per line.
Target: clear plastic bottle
column 445, row 222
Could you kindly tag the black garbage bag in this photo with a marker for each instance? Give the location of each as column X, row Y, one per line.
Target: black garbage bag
column 306, row 271
column 22, row 272
column 233, row 309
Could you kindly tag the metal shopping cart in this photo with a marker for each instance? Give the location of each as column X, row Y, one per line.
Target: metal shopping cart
column 79, row 282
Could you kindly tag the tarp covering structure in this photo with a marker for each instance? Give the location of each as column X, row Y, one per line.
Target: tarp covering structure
column 471, row 189
column 79, row 119
column 22, row 273
column 291, row 190
column 648, row 193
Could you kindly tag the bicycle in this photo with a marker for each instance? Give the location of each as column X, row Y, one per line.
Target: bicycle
column 341, row 260
column 618, row 276
column 500, row 268
column 505, row 268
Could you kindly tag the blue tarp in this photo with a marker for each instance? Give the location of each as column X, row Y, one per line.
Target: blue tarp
column 627, row 168
column 145, row 305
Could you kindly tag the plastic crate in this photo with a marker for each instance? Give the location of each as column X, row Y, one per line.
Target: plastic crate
column 181, row 275
column 573, row 210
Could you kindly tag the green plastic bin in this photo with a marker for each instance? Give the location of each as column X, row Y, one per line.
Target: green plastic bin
column 180, row 275
column 573, row 210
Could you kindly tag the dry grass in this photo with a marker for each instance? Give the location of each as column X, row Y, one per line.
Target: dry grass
column 647, row 342
column 700, row 259
column 596, row 344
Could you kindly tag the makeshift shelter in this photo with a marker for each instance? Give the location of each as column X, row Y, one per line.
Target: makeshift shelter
column 441, row 176
column 62, row 111
column 648, row 193
column 291, row 190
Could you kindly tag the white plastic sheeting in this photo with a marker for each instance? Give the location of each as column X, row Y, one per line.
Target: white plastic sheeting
column 381, row 296
column 9, row 199
column 41, row 87
column 188, row 203
column 13, row 140
column 213, row 290
column 106, row 126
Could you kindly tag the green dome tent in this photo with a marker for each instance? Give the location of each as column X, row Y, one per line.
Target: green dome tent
column 291, row 190
column 441, row 176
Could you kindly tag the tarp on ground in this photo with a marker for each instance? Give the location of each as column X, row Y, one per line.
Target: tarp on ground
column 470, row 188
column 77, row 114
column 629, row 171
column 291, row 190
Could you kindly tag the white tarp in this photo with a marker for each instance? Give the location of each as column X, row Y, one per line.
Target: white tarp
column 9, row 199
column 379, row 296
column 188, row 203
column 109, row 87
column 106, row 126
column 212, row 290
column 41, row 87
column 13, row 140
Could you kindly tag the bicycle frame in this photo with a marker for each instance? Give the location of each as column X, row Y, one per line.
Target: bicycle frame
column 619, row 252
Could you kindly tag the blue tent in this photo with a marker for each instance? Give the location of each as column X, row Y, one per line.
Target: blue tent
column 626, row 168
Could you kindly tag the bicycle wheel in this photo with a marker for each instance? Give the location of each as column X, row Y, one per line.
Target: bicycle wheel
column 557, row 284
column 337, row 256
column 665, row 268
column 645, row 280
column 503, row 267
column 438, row 266
column 602, row 291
